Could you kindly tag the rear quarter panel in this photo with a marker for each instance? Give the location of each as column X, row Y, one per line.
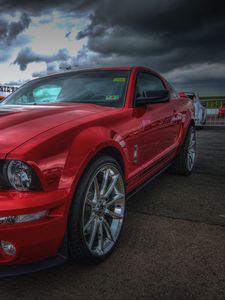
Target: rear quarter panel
column 186, row 107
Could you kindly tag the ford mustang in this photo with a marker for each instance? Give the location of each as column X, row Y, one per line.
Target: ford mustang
column 74, row 147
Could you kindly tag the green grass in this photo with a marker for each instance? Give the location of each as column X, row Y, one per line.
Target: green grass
column 213, row 98
column 212, row 101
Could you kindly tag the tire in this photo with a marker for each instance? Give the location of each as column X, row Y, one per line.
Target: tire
column 97, row 212
column 185, row 160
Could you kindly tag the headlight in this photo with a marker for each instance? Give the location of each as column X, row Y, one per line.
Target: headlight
column 20, row 176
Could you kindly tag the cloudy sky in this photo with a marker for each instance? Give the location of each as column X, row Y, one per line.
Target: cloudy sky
column 182, row 39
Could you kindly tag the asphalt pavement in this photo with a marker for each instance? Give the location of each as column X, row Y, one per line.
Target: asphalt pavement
column 172, row 246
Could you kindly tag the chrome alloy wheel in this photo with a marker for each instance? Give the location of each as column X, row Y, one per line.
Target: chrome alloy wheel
column 191, row 151
column 103, row 211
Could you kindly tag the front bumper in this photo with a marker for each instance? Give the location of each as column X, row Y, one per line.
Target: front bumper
column 37, row 240
column 16, row 270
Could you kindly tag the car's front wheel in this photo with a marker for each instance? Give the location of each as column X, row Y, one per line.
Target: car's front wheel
column 97, row 211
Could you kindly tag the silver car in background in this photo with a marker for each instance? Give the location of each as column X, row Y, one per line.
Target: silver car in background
column 200, row 110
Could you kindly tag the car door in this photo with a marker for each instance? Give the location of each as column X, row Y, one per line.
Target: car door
column 158, row 121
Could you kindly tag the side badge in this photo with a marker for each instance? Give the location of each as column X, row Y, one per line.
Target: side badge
column 136, row 153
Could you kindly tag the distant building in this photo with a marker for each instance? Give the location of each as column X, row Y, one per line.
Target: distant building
column 5, row 90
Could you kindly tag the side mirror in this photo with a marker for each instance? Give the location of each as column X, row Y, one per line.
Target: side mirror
column 153, row 97
column 2, row 98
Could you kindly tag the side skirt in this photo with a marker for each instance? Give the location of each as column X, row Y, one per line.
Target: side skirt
column 143, row 185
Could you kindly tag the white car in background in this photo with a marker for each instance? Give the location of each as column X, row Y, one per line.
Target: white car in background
column 200, row 110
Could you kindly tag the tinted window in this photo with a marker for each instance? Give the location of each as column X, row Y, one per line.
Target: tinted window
column 148, row 82
column 42, row 94
column 97, row 87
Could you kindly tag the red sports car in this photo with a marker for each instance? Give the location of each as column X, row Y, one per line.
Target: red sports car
column 74, row 147
column 221, row 112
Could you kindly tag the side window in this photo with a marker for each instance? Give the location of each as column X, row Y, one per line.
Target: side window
column 46, row 93
column 22, row 100
column 40, row 95
column 147, row 82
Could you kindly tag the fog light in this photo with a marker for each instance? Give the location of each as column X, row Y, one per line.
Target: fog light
column 8, row 248
column 23, row 218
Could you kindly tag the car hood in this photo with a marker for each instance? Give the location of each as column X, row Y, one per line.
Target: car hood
column 20, row 123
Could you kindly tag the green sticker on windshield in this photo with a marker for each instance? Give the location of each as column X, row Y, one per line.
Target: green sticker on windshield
column 119, row 79
column 112, row 97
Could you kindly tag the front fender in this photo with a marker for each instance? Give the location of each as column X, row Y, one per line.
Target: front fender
column 84, row 148
column 59, row 158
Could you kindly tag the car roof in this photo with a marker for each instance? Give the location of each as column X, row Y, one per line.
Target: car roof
column 92, row 70
column 120, row 68
column 73, row 71
column 114, row 68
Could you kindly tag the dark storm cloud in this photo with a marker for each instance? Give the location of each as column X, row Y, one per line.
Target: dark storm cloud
column 54, row 63
column 67, row 62
column 37, row 7
column 10, row 34
column 178, row 37
column 27, row 56
column 192, row 30
column 10, row 30
column 16, row 28
column 165, row 35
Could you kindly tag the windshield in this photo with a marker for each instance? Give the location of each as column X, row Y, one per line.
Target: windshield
column 98, row 87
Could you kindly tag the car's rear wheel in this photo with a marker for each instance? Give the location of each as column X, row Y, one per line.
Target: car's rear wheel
column 185, row 161
column 97, row 212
